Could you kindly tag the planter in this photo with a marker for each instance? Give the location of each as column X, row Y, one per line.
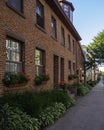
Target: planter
column 16, row 85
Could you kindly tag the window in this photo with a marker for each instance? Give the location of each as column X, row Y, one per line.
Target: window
column 73, row 46
column 69, row 67
column 13, row 55
column 67, row 10
column 53, row 27
column 74, row 68
column 40, row 62
column 62, row 36
column 62, row 69
column 69, row 42
column 16, row 4
column 39, row 14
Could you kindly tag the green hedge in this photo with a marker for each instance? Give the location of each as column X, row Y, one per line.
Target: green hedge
column 18, row 120
column 82, row 90
column 33, row 103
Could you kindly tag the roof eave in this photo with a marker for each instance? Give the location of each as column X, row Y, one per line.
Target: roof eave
column 55, row 6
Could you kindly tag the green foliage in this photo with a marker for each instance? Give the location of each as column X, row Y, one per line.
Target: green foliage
column 18, row 120
column 13, row 78
column 102, row 73
column 38, row 80
column 97, row 47
column 37, row 101
column 51, row 113
column 82, row 90
column 72, row 76
column 45, row 77
column 91, row 83
column 35, row 110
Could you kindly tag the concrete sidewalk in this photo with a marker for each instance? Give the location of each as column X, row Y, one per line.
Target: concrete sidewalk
column 87, row 114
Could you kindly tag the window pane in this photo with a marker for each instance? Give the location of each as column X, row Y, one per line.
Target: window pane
column 17, row 57
column 7, row 66
column 17, row 4
column 37, row 57
column 39, row 62
column 13, row 54
column 69, row 44
column 7, row 54
column 62, row 36
column 40, row 14
column 7, row 44
column 12, row 67
column 53, row 26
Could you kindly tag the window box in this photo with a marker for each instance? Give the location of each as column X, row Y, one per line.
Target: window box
column 16, row 85
column 41, row 79
column 62, row 85
column 12, row 79
column 72, row 76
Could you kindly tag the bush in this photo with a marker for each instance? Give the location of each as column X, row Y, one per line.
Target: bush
column 37, row 101
column 82, row 90
column 18, row 120
column 92, row 83
column 50, row 114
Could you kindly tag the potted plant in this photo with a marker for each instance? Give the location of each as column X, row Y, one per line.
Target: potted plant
column 72, row 76
column 12, row 79
column 38, row 80
column 62, row 85
column 45, row 77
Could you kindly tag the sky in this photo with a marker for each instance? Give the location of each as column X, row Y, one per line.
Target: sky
column 88, row 18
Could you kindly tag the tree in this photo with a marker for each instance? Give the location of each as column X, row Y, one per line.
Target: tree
column 96, row 48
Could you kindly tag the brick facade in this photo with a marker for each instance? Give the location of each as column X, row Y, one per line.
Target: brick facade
column 23, row 27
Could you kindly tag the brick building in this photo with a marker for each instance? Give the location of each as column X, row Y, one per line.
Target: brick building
column 37, row 37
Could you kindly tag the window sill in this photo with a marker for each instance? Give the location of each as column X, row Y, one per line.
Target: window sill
column 40, row 28
column 16, row 11
column 54, row 38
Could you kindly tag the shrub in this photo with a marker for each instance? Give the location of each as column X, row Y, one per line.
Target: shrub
column 37, row 101
column 18, row 120
column 82, row 90
column 50, row 114
column 92, row 83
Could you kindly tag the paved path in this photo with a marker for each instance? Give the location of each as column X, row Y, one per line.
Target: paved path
column 87, row 114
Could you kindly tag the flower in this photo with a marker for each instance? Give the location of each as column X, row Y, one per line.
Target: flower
column 24, row 76
column 62, row 83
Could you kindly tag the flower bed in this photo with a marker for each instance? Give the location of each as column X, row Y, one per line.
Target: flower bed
column 43, row 109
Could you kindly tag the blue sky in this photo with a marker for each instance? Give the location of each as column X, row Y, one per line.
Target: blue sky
column 88, row 18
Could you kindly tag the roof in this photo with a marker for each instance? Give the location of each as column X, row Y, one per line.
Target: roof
column 55, row 6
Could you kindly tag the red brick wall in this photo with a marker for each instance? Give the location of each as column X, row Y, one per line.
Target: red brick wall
column 25, row 28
